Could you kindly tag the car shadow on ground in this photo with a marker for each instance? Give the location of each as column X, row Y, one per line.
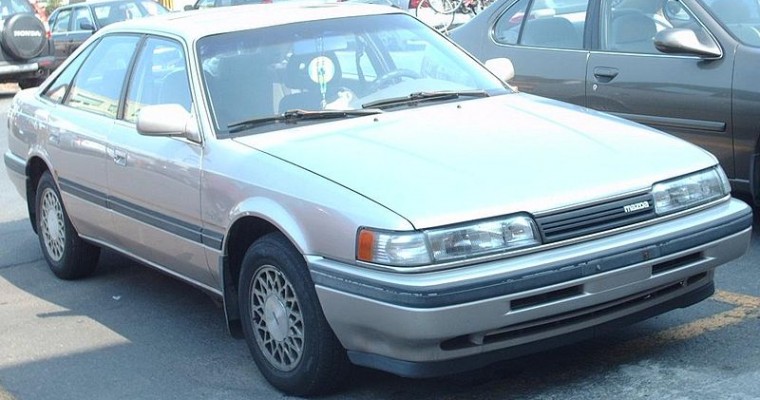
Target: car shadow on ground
column 129, row 331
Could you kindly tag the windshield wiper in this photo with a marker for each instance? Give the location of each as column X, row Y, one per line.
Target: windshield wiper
column 418, row 97
column 293, row 116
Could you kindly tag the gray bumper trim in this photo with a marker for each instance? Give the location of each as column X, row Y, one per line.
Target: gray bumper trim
column 519, row 282
column 440, row 368
column 15, row 164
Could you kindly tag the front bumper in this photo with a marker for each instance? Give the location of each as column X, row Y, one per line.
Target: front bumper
column 448, row 321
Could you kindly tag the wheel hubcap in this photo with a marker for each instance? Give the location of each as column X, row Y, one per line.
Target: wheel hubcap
column 277, row 319
column 52, row 226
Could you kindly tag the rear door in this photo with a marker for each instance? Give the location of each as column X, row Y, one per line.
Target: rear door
column 86, row 97
column 685, row 94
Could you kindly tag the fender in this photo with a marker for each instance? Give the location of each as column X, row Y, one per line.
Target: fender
column 276, row 215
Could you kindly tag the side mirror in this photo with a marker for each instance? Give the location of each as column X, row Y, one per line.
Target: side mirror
column 502, row 68
column 685, row 41
column 167, row 120
column 86, row 26
column 189, row 7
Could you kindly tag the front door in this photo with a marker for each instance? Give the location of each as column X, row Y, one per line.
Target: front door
column 686, row 95
column 154, row 182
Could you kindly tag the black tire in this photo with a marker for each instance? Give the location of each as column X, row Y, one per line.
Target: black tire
column 294, row 347
column 67, row 255
column 23, row 36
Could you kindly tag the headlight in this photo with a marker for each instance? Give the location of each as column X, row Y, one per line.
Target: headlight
column 409, row 249
column 690, row 190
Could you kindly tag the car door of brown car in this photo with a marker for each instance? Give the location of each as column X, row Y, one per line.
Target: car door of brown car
column 685, row 94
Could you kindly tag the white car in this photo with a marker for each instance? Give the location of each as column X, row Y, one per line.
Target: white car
column 359, row 190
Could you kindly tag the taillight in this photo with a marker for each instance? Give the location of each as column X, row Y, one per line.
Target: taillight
column 414, row 3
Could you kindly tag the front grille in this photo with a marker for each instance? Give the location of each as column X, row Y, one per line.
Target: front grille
column 597, row 218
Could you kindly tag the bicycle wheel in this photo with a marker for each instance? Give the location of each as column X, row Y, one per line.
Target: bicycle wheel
column 445, row 6
column 432, row 16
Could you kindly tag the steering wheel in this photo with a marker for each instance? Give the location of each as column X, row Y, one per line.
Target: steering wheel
column 393, row 76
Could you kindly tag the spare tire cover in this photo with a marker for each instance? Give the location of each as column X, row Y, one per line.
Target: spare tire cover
column 23, row 36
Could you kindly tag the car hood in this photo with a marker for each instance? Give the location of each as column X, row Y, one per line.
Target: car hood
column 466, row 160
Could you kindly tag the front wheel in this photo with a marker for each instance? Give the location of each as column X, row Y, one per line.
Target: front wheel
column 68, row 256
column 286, row 331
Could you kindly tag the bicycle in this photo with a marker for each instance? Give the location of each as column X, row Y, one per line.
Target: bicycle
column 442, row 13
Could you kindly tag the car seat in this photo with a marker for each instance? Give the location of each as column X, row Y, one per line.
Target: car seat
column 554, row 32
column 632, row 31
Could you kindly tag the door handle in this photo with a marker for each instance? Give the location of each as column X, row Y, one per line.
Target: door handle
column 119, row 157
column 605, row 74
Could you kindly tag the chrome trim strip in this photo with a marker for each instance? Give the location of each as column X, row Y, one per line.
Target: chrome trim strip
column 678, row 123
column 155, row 219
column 15, row 163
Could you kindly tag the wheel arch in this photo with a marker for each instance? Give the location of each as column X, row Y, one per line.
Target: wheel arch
column 754, row 173
column 35, row 167
column 247, row 229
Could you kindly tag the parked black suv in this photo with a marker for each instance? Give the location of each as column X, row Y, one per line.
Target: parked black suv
column 26, row 48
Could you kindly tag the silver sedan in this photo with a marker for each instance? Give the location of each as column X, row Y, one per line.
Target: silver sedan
column 359, row 190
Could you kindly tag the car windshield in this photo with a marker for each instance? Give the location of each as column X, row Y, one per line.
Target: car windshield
column 10, row 7
column 339, row 64
column 741, row 17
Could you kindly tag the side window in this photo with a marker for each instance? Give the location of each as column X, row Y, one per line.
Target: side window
column 61, row 23
column 741, row 17
column 507, row 28
column 57, row 90
column 545, row 23
column 82, row 19
column 205, row 4
column 97, row 86
column 160, row 77
column 629, row 26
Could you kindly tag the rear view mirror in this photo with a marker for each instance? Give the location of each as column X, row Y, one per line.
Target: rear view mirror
column 502, row 68
column 685, row 41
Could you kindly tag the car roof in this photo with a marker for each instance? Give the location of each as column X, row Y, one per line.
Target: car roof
column 199, row 23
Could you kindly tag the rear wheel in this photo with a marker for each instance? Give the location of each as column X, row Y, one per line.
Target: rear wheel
column 286, row 331
column 68, row 256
